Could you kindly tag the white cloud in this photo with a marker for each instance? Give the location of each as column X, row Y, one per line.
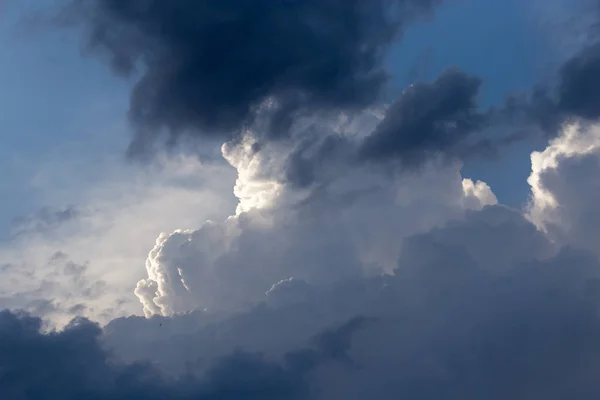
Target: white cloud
column 351, row 224
column 565, row 187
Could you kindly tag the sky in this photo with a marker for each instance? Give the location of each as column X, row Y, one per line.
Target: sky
column 299, row 199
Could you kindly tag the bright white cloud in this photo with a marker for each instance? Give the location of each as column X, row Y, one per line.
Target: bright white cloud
column 565, row 187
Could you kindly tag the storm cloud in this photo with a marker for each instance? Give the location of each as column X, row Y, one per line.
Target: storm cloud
column 205, row 68
column 72, row 364
column 428, row 119
column 334, row 277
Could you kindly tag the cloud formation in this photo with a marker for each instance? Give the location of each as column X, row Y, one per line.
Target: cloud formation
column 484, row 302
column 206, row 67
column 92, row 254
column 359, row 262
column 352, row 226
column 565, row 194
column 71, row 364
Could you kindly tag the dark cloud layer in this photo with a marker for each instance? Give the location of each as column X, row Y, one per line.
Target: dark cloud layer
column 579, row 88
column 573, row 95
column 72, row 365
column 207, row 66
column 205, row 69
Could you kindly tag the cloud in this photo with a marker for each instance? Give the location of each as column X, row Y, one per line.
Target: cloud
column 412, row 284
column 206, row 68
column 482, row 307
column 565, row 194
column 71, row 364
column 577, row 90
column 478, row 302
column 349, row 227
column 93, row 252
column 428, row 119
column 572, row 94
column 337, row 275
column 439, row 120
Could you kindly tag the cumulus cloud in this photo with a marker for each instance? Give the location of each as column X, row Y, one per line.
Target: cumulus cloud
column 428, row 119
column 564, row 183
column 92, row 253
column 482, row 307
column 573, row 93
column 351, row 224
column 482, row 301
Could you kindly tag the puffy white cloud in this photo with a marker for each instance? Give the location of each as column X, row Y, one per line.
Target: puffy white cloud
column 565, row 187
column 118, row 210
column 351, row 222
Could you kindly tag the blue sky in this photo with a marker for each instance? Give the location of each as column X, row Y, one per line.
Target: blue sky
column 52, row 98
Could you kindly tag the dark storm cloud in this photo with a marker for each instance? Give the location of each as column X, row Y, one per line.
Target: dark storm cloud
column 579, row 88
column 206, row 66
column 72, row 365
column 575, row 94
column 427, row 118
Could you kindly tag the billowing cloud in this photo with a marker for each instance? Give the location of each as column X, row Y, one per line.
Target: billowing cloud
column 412, row 284
column 565, row 187
column 480, row 303
column 333, row 277
column 350, row 225
column 573, row 94
column 93, row 253
column 483, row 307
column 578, row 90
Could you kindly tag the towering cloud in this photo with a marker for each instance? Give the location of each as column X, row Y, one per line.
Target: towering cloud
column 349, row 224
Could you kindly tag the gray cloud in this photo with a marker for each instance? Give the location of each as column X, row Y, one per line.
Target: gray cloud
column 481, row 308
column 207, row 67
column 71, row 364
column 578, row 91
column 428, row 119
column 44, row 221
